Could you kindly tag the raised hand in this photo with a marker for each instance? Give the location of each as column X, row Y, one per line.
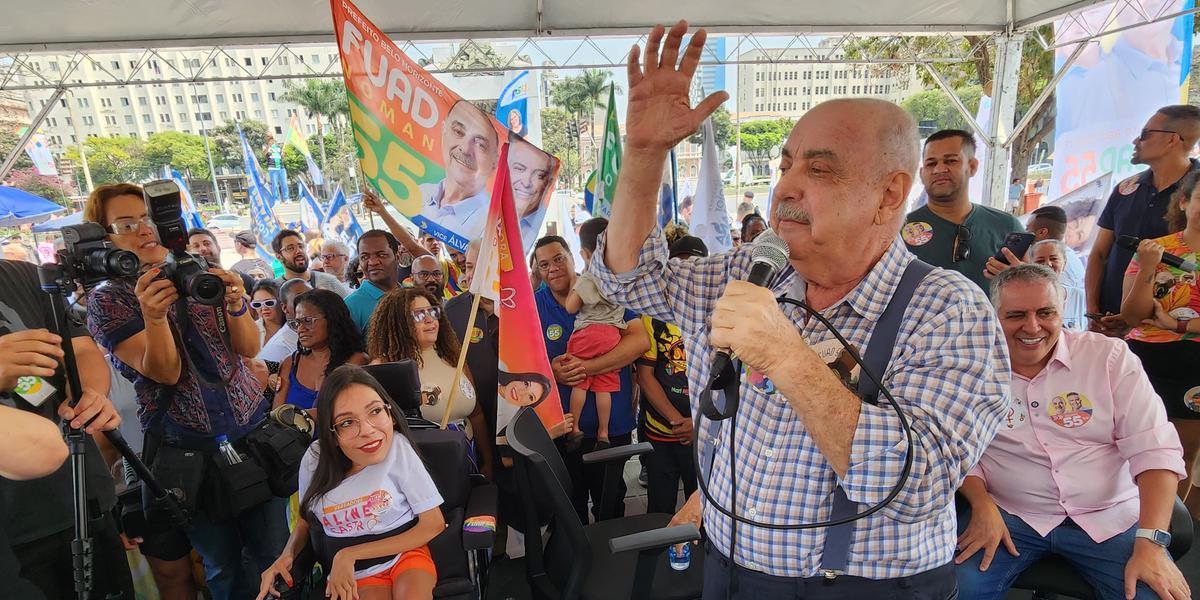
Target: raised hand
column 660, row 114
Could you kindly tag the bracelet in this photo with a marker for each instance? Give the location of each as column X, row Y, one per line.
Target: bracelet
column 238, row 313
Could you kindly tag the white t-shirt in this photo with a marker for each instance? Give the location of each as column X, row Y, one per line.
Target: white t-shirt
column 378, row 499
column 280, row 346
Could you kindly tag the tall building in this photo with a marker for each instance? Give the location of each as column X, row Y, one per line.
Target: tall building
column 146, row 108
column 712, row 77
column 791, row 88
column 14, row 114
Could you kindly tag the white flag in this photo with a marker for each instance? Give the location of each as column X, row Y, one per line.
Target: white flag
column 710, row 220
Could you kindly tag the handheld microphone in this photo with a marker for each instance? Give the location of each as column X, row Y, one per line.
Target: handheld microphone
column 769, row 256
column 1130, row 243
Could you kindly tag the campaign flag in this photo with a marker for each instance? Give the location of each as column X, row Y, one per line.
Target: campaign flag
column 430, row 153
column 191, row 216
column 610, row 159
column 340, row 223
column 1114, row 86
column 501, row 275
column 566, row 226
column 262, row 212
column 710, row 219
column 589, row 192
column 312, row 214
column 512, row 108
column 295, row 137
column 38, row 150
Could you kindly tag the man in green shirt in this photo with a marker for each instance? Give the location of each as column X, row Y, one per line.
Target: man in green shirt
column 950, row 231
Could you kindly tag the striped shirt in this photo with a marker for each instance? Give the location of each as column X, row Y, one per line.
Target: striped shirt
column 949, row 372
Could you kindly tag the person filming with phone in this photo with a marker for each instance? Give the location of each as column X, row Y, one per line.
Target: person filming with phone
column 179, row 331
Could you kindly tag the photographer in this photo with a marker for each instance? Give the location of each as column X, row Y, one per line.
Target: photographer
column 38, row 514
column 193, row 389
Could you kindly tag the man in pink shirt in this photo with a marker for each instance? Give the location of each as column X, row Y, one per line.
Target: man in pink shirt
column 1084, row 466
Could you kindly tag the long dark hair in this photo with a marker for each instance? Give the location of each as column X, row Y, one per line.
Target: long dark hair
column 332, row 463
column 344, row 339
column 392, row 335
column 271, row 286
column 505, row 378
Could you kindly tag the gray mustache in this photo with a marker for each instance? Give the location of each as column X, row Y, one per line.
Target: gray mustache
column 791, row 212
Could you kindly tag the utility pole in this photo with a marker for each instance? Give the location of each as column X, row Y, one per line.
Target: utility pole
column 79, row 137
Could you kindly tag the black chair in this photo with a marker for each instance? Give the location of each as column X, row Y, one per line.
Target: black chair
column 469, row 507
column 616, row 558
column 1054, row 576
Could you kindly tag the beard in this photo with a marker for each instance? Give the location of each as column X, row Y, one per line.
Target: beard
column 300, row 266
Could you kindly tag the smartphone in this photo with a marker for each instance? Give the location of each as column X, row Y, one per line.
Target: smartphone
column 1018, row 243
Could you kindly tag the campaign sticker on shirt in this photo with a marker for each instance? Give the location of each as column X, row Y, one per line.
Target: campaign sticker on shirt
column 1128, row 186
column 917, row 233
column 476, row 335
column 834, row 355
column 1070, row 410
column 1191, row 399
column 554, row 332
column 758, row 380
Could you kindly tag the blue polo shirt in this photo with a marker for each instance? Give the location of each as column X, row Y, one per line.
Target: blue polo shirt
column 1134, row 208
column 362, row 304
column 557, row 327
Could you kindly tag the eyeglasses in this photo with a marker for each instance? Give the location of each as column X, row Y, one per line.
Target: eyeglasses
column 961, row 250
column 292, row 249
column 428, row 274
column 431, row 312
column 558, row 261
column 329, row 257
column 1146, row 133
column 129, row 225
column 305, row 322
column 349, row 428
column 257, row 304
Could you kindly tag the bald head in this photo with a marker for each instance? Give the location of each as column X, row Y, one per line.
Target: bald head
column 890, row 129
column 427, row 273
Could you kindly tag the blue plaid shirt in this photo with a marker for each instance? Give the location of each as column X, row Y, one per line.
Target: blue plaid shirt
column 949, row 372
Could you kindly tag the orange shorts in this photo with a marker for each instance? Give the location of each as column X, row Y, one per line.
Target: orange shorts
column 418, row 558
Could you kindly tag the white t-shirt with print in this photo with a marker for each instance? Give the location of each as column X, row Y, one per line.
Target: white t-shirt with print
column 380, row 498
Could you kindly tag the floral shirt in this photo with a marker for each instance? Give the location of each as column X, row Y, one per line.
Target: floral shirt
column 1174, row 289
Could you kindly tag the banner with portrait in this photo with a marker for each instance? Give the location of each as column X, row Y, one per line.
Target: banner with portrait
column 1114, row 86
column 430, row 153
column 340, row 223
column 263, row 221
column 501, row 275
column 1083, row 206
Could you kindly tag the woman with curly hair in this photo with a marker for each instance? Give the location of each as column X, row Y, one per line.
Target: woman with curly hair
column 328, row 339
column 409, row 323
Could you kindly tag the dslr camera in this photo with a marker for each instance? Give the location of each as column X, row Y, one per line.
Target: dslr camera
column 189, row 272
column 88, row 256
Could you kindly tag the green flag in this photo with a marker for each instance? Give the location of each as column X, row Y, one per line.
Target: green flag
column 610, row 159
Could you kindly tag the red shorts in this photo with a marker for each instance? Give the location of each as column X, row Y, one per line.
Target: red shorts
column 592, row 341
column 417, row 558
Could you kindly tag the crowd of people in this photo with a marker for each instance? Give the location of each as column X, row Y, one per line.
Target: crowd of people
column 1020, row 373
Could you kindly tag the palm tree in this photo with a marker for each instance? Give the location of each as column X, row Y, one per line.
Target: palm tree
column 593, row 87
column 319, row 98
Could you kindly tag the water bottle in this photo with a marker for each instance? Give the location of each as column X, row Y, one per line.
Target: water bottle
column 227, row 450
column 680, row 556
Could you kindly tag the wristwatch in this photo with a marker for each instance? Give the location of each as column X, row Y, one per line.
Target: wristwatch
column 1158, row 536
column 1181, row 325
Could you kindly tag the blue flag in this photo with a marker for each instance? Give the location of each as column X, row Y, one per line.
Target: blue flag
column 191, row 216
column 512, row 108
column 312, row 214
column 262, row 201
column 339, row 222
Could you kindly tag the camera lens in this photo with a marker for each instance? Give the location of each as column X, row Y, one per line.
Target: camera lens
column 206, row 288
column 122, row 263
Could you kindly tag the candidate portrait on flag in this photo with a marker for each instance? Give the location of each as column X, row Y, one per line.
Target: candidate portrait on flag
column 531, row 171
column 470, row 150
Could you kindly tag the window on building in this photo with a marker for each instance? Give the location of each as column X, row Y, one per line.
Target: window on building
column 73, row 138
column 183, row 117
column 254, row 96
column 83, row 102
column 271, row 96
column 249, row 61
column 53, row 65
column 164, row 118
column 291, row 111
column 129, row 119
column 275, row 113
column 278, row 130
column 200, row 98
column 300, row 58
column 237, row 97
column 88, row 120
column 758, row 76
column 178, row 99
column 258, row 114
column 68, row 121
column 224, row 116
column 116, row 65
column 124, row 101
column 52, row 121
column 111, row 120
column 146, row 119
column 143, row 101
column 283, row 60
column 241, row 114
column 264, row 61
column 316, row 59
column 160, row 100
column 229, row 62
column 220, row 98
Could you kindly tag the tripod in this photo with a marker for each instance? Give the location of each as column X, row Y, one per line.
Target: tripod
column 58, row 281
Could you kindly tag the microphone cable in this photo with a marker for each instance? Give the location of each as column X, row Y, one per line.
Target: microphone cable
column 731, row 512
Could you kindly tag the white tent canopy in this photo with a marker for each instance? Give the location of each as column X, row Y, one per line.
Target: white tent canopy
column 95, row 24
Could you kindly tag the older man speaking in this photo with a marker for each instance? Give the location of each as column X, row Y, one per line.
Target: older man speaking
column 803, row 437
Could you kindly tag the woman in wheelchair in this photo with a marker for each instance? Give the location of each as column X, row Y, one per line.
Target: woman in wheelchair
column 364, row 485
